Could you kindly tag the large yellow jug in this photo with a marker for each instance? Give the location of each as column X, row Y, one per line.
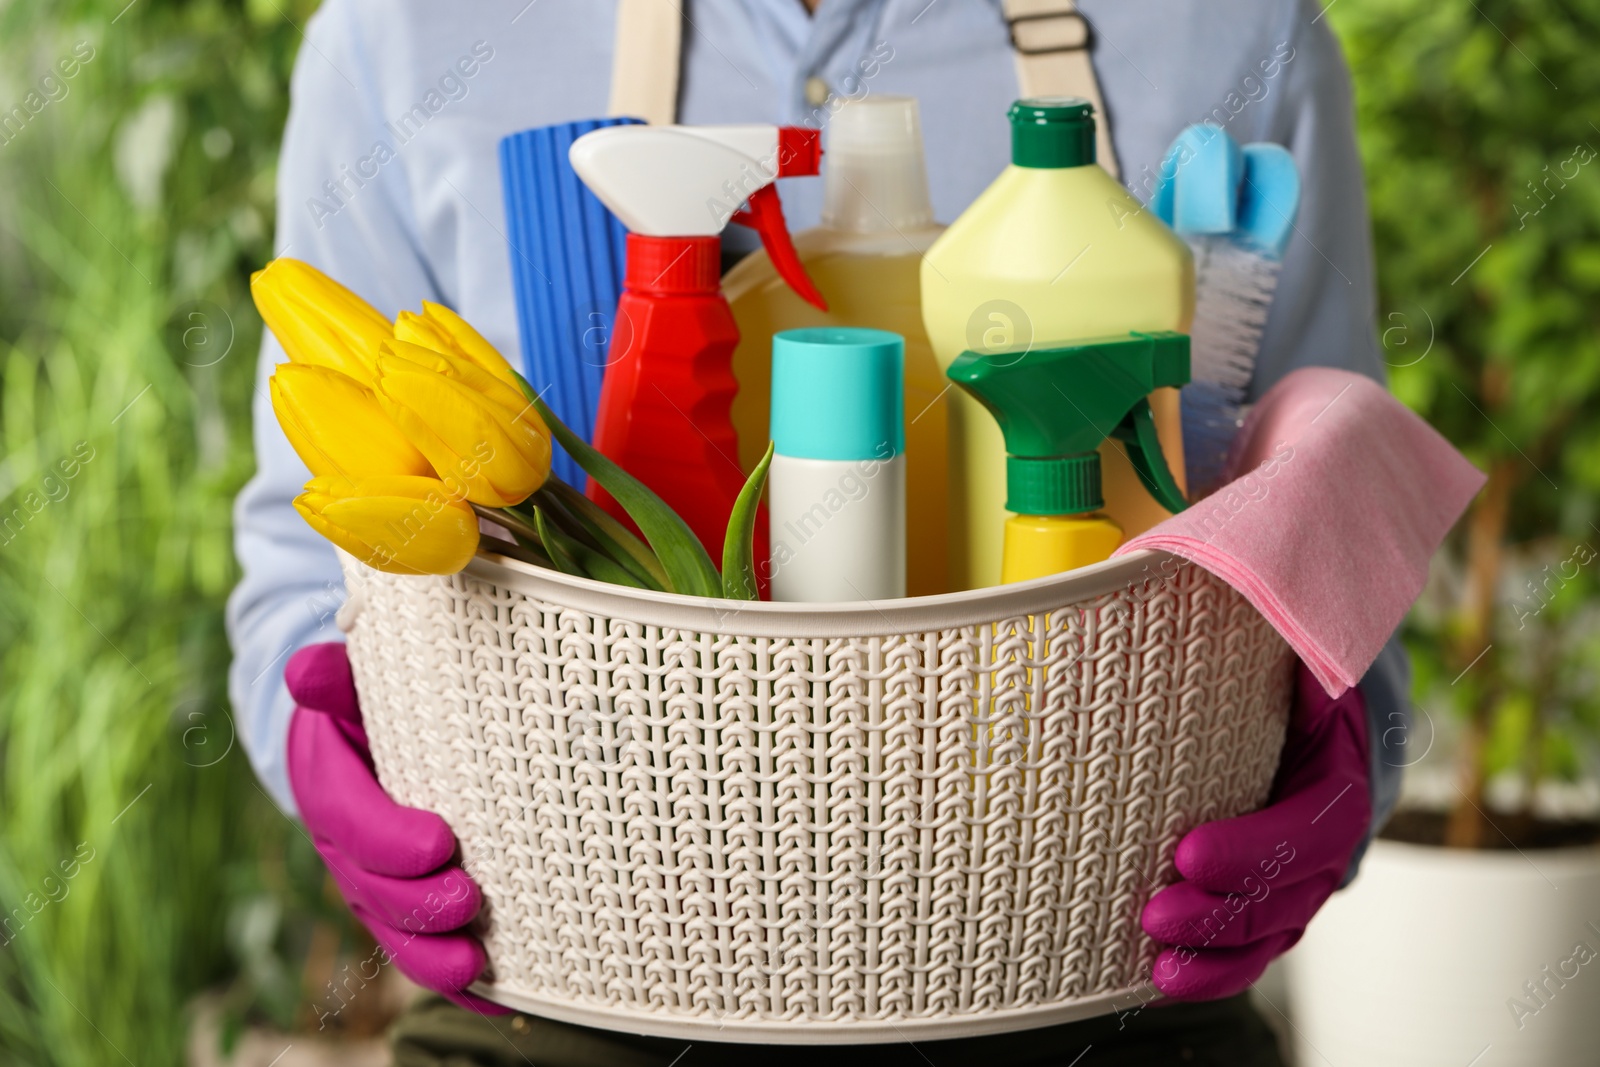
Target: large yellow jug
column 877, row 223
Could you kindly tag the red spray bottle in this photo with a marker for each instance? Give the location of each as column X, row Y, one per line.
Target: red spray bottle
column 666, row 401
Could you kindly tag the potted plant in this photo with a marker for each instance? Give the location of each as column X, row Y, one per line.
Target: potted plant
column 1473, row 933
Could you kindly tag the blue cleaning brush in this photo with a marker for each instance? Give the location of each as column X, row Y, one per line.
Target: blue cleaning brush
column 1235, row 206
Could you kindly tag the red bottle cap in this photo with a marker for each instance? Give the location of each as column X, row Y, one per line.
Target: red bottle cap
column 670, row 266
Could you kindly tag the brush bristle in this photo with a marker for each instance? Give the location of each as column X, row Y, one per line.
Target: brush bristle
column 1233, row 295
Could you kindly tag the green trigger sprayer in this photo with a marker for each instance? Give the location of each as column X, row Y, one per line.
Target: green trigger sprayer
column 1055, row 406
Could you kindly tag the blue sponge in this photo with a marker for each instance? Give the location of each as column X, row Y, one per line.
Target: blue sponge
column 1206, row 200
column 566, row 274
column 1209, row 186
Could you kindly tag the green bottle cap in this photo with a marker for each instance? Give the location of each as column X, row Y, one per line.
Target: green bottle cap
column 1055, row 406
column 1052, row 131
column 1053, row 485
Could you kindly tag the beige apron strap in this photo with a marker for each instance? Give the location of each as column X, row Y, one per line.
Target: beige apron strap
column 1051, row 40
column 644, row 64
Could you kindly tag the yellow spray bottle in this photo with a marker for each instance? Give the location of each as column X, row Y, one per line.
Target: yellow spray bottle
column 1054, row 407
column 1055, row 251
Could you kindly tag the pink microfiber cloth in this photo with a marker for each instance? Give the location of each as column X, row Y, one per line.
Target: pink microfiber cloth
column 1347, row 495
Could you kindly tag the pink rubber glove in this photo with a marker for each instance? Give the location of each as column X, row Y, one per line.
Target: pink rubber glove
column 393, row 864
column 1252, row 883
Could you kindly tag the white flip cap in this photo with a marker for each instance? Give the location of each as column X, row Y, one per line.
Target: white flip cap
column 876, row 178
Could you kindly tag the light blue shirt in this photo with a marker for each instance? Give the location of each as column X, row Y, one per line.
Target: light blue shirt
column 388, row 181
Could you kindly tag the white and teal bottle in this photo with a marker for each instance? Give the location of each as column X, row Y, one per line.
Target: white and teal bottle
column 837, row 486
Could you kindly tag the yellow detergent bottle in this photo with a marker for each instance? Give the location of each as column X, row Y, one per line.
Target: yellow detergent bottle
column 1054, row 407
column 1055, row 250
column 877, row 223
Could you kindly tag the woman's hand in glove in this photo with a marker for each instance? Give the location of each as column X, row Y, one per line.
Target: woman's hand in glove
column 393, row 864
column 1252, row 883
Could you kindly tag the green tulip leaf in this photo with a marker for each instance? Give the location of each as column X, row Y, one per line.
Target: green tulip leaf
column 613, row 538
column 688, row 569
column 574, row 557
column 738, row 552
column 554, row 548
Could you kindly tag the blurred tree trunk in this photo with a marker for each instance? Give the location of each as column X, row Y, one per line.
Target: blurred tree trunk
column 1468, row 826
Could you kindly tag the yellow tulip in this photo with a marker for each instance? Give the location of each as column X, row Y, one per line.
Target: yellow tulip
column 336, row 425
column 443, row 330
column 394, row 523
column 471, row 426
column 317, row 320
column 492, row 387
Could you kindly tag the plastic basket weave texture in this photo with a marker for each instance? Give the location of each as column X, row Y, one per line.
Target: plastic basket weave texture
column 925, row 819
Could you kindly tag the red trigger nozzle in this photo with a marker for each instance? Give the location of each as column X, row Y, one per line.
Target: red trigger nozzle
column 765, row 216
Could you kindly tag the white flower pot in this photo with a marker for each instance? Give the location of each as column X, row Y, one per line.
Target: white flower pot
column 1455, row 958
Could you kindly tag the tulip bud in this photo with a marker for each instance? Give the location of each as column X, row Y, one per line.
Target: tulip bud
column 468, row 373
column 475, row 430
column 394, row 523
column 317, row 320
column 336, row 425
column 443, row 330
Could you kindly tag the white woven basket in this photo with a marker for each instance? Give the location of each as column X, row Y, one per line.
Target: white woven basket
column 781, row 823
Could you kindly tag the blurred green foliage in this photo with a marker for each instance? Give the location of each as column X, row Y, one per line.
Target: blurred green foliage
column 139, row 861
column 1479, row 131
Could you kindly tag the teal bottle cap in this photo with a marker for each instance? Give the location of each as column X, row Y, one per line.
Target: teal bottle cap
column 838, row 392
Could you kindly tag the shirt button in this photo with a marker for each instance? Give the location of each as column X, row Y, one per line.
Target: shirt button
column 817, row 91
